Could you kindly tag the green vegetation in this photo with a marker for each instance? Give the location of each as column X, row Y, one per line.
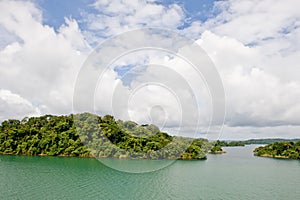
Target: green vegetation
column 46, row 135
column 254, row 141
column 87, row 135
column 216, row 150
column 269, row 141
column 217, row 147
column 230, row 144
column 290, row 150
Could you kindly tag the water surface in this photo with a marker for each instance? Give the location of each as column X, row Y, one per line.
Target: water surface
column 235, row 175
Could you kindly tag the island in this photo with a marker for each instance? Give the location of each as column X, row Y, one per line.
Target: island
column 285, row 150
column 89, row 135
column 216, row 149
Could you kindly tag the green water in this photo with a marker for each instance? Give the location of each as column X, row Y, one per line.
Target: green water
column 235, row 175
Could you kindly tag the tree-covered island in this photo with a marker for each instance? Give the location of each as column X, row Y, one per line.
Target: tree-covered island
column 216, row 149
column 88, row 135
column 287, row 150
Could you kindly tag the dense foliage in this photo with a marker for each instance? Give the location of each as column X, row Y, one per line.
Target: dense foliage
column 46, row 135
column 216, row 150
column 289, row 150
column 87, row 135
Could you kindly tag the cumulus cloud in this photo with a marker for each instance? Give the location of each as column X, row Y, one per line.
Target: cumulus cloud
column 255, row 21
column 156, row 81
column 254, row 44
column 117, row 16
column 13, row 106
column 41, row 64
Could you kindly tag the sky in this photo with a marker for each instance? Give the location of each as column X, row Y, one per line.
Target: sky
column 254, row 45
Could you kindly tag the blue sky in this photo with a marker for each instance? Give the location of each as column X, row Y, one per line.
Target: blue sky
column 254, row 45
column 199, row 10
column 55, row 11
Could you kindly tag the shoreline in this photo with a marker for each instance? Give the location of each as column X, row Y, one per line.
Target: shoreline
column 217, row 152
column 277, row 157
column 103, row 157
column 45, row 155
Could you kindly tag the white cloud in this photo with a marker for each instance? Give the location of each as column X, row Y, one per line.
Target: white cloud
column 255, row 96
column 117, row 16
column 253, row 21
column 13, row 106
column 250, row 132
column 42, row 64
column 158, row 83
column 255, row 45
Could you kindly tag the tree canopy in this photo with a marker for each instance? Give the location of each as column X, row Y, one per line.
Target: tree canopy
column 289, row 150
column 88, row 135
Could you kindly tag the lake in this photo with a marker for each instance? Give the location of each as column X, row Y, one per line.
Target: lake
column 234, row 175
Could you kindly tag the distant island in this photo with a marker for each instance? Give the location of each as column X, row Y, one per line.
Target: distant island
column 286, row 150
column 254, row 141
column 216, row 150
column 88, row 135
column 268, row 140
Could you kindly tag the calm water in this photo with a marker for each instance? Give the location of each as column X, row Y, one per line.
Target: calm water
column 235, row 175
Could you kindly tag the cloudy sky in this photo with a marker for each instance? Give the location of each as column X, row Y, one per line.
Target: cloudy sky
column 253, row 44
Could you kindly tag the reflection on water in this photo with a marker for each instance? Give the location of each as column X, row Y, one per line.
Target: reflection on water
column 234, row 175
column 136, row 166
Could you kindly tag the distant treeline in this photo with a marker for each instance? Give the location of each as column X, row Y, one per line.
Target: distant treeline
column 269, row 141
column 88, row 135
column 254, row 141
column 230, row 143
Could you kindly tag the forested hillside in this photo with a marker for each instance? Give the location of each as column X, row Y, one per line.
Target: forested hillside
column 87, row 135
